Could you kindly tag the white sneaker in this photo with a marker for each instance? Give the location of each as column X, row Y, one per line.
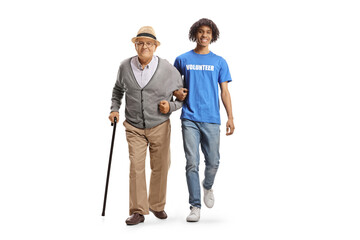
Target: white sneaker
column 194, row 215
column 208, row 197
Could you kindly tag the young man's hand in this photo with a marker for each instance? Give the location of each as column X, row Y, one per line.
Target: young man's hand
column 230, row 127
column 181, row 94
column 112, row 115
column 164, row 107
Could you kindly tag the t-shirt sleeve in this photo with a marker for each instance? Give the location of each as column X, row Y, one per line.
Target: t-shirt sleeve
column 177, row 65
column 224, row 73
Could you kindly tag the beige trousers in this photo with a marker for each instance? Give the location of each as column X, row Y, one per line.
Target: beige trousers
column 158, row 140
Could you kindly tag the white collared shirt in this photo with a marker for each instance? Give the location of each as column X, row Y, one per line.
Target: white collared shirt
column 143, row 76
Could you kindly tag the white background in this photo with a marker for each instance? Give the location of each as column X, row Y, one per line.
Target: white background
column 290, row 171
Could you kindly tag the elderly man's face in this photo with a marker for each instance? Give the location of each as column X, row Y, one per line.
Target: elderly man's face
column 145, row 47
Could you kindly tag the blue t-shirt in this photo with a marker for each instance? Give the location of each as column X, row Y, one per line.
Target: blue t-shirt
column 202, row 75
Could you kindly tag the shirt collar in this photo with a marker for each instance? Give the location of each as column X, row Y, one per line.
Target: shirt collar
column 139, row 66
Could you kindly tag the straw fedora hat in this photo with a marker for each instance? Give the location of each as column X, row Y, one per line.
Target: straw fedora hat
column 146, row 32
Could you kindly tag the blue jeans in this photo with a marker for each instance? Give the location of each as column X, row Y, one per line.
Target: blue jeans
column 207, row 135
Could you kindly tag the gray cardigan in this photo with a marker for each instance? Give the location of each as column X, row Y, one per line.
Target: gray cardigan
column 142, row 104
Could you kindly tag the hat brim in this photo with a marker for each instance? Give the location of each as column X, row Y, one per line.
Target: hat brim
column 134, row 40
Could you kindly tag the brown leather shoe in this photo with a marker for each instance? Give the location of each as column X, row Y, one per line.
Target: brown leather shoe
column 161, row 214
column 134, row 219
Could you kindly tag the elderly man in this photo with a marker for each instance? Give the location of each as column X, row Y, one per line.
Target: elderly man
column 148, row 83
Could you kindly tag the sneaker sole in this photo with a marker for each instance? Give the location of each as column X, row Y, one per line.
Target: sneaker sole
column 192, row 220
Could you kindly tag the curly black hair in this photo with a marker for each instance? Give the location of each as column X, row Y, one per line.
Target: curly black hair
column 202, row 22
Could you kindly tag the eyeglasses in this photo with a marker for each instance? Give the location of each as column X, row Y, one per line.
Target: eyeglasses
column 148, row 44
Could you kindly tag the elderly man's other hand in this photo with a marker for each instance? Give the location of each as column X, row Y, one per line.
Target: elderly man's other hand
column 112, row 115
column 181, row 94
column 164, row 107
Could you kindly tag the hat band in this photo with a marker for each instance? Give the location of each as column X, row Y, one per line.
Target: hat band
column 146, row 35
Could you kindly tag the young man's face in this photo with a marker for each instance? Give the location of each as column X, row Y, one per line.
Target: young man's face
column 204, row 36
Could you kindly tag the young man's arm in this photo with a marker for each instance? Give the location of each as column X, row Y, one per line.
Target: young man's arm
column 226, row 99
column 180, row 94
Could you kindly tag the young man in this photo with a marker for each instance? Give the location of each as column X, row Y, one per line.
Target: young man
column 148, row 83
column 203, row 72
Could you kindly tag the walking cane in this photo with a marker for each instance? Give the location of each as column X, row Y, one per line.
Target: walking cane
column 109, row 166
